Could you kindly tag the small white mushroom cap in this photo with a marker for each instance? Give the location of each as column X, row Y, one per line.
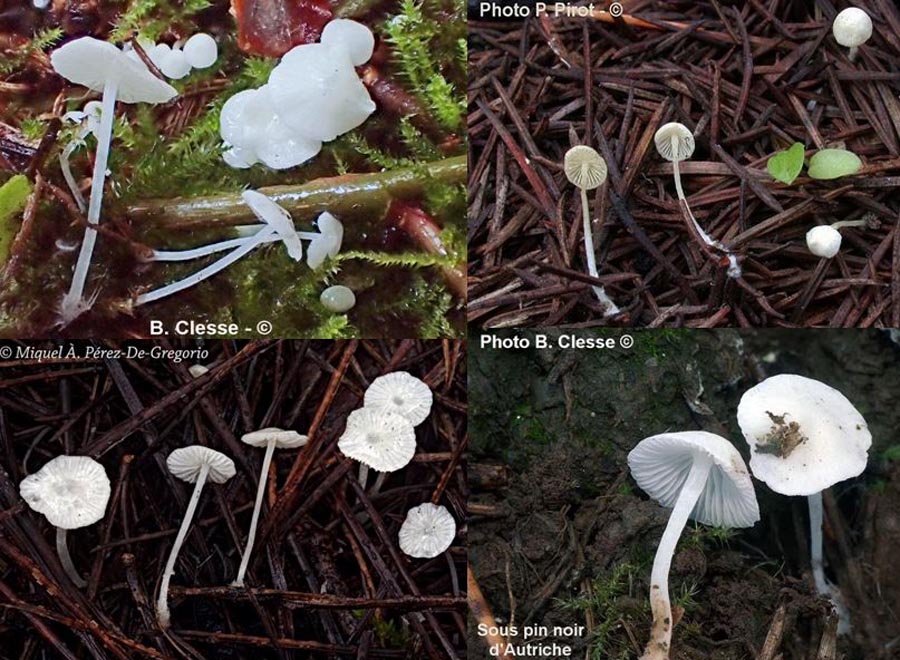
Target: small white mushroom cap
column 278, row 218
column 683, row 147
column 201, row 51
column 197, row 370
column 383, row 440
column 822, row 437
column 173, row 64
column 823, row 241
column 338, row 299
column 283, row 439
column 584, row 167
column 91, row 62
column 852, row 27
column 661, row 463
column 316, row 91
column 357, row 39
column 328, row 243
column 186, row 463
column 400, row 392
column 71, row 491
column 428, row 530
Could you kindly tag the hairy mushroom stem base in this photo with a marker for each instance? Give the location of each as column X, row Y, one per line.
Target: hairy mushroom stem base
column 62, row 549
column 610, row 308
column 254, row 520
column 162, row 603
column 74, row 302
column 661, row 631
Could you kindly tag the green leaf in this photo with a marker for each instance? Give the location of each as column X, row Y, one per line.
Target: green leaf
column 785, row 166
column 833, row 163
column 13, row 197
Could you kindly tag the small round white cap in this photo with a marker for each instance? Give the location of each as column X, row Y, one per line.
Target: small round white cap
column 173, row 64
column 661, row 463
column 823, row 241
column 186, row 463
column 381, row 439
column 338, row 299
column 428, row 530
column 327, row 243
column 278, row 218
column 852, row 27
column 71, row 491
column 201, row 51
column 402, row 393
column 356, row 38
column 674, row 142
column 92, row 62
column 282, row 439
column 804, row 435
column 197, row 370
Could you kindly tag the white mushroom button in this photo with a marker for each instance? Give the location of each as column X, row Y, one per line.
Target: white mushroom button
column 201, row 51
column 196, row 465
column 272, row 439
column 354, row 37
column 428, row 530
column 338, row 299
column 71, row 492
column 698, row 475
column 823, row 241
column 380, row 439
column 852, row 28
column 400, row 392
column 173, row 64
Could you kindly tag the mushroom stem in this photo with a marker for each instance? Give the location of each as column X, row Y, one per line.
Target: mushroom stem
column 661, row 631
column 247, row 245
column 609, row 306
column 67, row 174
column 848, row 223
column 816, row 518
column 852, row 54
column 734, row 269
column 74, row 303
column 62, row 549
column 363, row 475
column 254, row 520
column 162, row 603
column 221, row 246
column 379, row 482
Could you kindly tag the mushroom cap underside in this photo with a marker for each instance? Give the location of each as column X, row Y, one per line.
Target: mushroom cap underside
column 187, row 462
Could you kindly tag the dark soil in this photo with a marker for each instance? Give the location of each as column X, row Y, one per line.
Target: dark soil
column 569, row 538
column 326, row 556
column 748, row 79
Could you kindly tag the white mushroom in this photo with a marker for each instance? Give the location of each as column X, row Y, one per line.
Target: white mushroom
column 71, row 492
column 89, row 121
column 100, row 66
column 270, row 438
column 338, row 299
column 279, row 226
column 400, row 392
column 586, row 170
column 675, row 143
column 326, row 243
column 825, row 240
column 197, row 370
column 852, row 28
column 201, row 51
column 194, row 464
column 379, row 439
column 173, row 64
column 356, row 38
column 698, row 475
column 428, row 531
column 804, row 437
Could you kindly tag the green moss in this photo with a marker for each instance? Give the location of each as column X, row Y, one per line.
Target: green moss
column 13, row 197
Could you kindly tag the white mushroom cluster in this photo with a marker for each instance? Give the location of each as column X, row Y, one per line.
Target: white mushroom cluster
column 312, row 96
column 804, row 437
column 177, row 61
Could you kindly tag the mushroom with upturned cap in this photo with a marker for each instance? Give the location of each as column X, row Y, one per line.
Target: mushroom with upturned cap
column 698, row 475
column 428, row 531
column 675, row 143
column 804, row 437
column 71, row 492
column 383, row 440
column 101, row 66
column 270, row 438
column 400, row 392
column 586, row 170
column 194, row 464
